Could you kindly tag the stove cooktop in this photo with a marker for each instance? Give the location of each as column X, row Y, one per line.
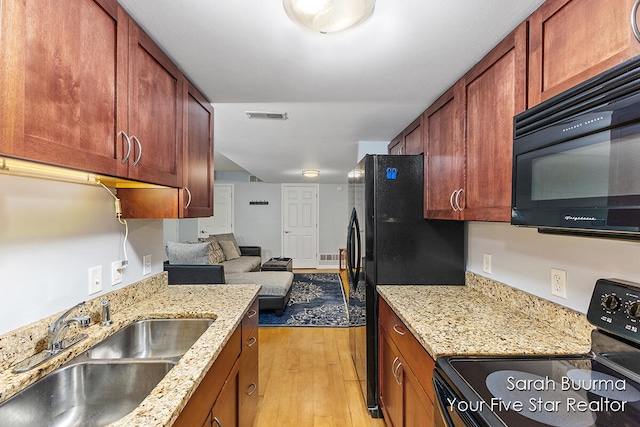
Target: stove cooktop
column 560, row 392
column 598, row 389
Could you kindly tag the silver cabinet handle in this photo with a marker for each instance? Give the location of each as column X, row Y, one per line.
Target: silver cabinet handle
column 135, row 138
column 126, row 137
column 451, row 200
column 188, row 200
column 398, row 373
column 393, row 366
column 634, row 20
column 395, row 369
column 217, row 421
column 251, row 313
column 458, row 199
column 252, row 385
column 251, row 341
column 395, row 328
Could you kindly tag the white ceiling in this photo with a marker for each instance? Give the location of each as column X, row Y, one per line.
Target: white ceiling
column 364, row 84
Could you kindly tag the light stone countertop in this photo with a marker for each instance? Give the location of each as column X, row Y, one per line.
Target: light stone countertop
column 462, row 320
column 225, row 303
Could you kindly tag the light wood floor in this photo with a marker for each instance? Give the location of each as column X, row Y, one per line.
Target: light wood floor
column 307, row 378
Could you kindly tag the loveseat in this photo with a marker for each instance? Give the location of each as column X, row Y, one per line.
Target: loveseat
column 180, row 274
column 196, row 264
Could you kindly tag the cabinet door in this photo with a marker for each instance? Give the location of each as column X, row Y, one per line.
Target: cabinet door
column 495, row 92
column 156, row 94
column 444, row 166
column 412, row 137
column 418, row 408
column 573, row 40
column 63, row 70
column 225, row 411
column 396, row 146
column 198, row 160
column 390, row 385
column 248, row 375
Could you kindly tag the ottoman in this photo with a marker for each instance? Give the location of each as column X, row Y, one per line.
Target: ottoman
column 275, row 291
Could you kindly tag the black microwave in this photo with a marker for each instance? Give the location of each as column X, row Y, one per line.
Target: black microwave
column 576, row 158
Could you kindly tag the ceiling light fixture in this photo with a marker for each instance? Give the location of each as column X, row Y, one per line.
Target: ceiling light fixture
column 329, row 16
column 310, row 173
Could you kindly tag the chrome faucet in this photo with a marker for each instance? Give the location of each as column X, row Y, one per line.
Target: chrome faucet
column 56, row 341
column 59, row 328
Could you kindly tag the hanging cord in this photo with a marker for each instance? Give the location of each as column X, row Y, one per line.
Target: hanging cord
column 121, row 221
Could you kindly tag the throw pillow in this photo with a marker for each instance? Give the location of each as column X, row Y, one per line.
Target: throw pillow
column 188, row 253
column 229, row 250
column 228, row 237
column 217, row 255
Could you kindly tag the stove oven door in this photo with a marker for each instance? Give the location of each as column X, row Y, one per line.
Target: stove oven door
column 446, row 412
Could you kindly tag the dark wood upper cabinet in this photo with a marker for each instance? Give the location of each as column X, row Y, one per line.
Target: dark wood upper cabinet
column 412, row 137
column 409, row 141
column 156, row 102
column 64, row 74
column 573, row 40
column 198, row 156
column 444, row 164
column 396, row 146
column 195, row 198
column 495, row 91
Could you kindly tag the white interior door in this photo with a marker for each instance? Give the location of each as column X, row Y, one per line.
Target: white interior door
column 222, row 219
column 300, row 224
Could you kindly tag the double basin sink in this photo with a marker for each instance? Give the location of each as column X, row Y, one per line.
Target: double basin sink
column 109, row 380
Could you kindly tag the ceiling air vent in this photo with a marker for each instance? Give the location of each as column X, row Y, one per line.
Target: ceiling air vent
column 266, row 115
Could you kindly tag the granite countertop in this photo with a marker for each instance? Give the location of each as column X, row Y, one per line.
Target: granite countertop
column 460, row 320
column 225, row 303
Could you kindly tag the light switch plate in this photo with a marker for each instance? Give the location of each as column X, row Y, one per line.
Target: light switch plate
column 146, row 265
column 95, row 279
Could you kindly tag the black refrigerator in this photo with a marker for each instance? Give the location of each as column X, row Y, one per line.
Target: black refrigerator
column 390, row 243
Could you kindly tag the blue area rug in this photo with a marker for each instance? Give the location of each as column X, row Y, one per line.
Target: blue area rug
column 317, row 299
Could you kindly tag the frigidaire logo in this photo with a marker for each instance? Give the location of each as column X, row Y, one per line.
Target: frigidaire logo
column 579, row 218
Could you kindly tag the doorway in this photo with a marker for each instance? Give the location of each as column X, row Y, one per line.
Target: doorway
column 222, row 220
column 300, row 224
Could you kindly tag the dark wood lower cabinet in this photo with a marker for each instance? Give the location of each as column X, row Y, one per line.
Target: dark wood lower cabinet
column 405, row 372
column 228, row 394
column 224, row 412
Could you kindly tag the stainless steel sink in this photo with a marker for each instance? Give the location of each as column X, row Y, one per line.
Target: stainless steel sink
column 84, row 394
column 153, row 338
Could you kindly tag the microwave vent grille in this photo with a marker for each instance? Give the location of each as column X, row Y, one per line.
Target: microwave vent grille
column 614, row 84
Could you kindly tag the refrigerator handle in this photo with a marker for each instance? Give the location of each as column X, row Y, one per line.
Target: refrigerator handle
column 359, row 252
column 350, row 249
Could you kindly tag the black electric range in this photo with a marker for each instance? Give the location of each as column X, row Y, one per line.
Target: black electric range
column 601, row 388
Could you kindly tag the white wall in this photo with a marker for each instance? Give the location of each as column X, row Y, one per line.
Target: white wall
column 334, row 217
column 371, row 147
column 523, row 258
column 258, row 224
column 51, row 233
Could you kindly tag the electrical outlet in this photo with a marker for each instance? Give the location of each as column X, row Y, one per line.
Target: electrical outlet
column 95, row 279
column 486, row 263
column 559, row 283
column 116, row 272
column 146, row 265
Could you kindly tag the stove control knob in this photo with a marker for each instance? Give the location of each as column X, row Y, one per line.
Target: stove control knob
column 611, row 302
column 634, row 310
